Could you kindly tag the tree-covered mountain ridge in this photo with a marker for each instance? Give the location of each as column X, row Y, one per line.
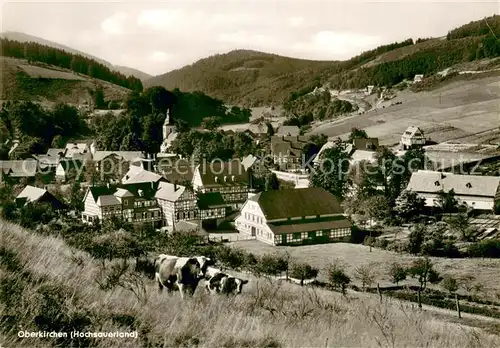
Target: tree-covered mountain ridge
column 252, row 78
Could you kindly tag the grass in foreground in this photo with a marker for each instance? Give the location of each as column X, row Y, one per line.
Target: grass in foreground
column 47, row 278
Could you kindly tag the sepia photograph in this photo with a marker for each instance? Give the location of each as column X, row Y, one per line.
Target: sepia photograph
column 250, row 173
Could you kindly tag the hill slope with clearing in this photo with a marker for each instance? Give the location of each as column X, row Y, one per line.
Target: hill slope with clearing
column 20, row 80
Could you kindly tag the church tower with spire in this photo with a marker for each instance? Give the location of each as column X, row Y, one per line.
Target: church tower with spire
column 168, row 132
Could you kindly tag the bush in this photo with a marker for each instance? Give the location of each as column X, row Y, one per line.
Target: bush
column 485, row 248
column 303, row 271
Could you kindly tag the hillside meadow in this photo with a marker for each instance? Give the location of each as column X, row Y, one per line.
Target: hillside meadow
column 47, row 285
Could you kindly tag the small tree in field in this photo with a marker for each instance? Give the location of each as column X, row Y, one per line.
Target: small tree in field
column 338, row 278
column 303, row 271
column 450, row 284
column 365, row 274
column 422, row 269
column 397, row 273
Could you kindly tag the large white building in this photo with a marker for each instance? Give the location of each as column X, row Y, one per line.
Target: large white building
column 293, row 216
column 478, row 192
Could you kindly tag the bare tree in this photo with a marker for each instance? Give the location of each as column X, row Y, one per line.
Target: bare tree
column 365, row 274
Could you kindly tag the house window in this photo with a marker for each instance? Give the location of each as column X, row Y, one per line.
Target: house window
column 303, row 235
column 311, row 235
column 125, row 203
column 319, row 233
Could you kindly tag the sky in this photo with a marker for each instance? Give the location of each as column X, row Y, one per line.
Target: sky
column 160, row 36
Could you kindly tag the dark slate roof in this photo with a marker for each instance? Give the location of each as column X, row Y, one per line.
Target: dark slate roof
column 210, row 200
column 288, row 203
column 148, row 190
column 366, row 143
column 179, row 174
column 308, row 225
column 212, row 174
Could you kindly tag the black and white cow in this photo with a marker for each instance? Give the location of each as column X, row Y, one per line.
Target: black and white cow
column 182, row 273
column 226, row 284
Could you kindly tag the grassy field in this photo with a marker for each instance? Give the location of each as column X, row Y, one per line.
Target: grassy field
column 457, row 110
column 50, row 278
column 355, row 255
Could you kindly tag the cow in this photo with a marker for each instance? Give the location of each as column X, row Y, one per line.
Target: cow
column 223, row 283
column 182, row 273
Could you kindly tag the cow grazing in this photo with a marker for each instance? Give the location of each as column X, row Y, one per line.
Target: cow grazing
column 225, row 284
column 183, row 273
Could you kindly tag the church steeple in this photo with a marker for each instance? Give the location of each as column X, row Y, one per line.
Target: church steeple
column 168, row 119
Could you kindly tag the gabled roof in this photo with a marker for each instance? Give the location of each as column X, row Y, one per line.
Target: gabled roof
column 474, row 185
column 137, row 175
column 126, row 155
column 288, row 130
column 113, row 192
column 249, row 161
column 31, row 193
column 210, row 200
column 76, row 148
column 169, row 192
column 411, row 130
column 122, row 193
column 107, row 200
column 288, row 203
column 213, row 174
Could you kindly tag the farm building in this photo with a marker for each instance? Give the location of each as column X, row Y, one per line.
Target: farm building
column 412, row 137
column 293, row 216
column 477, row 192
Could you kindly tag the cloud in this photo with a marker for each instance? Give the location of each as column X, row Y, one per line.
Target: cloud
column 115, row 24
column 295, row 21
column 245, row 38
column 160, row 19
column 337, row 45
column 159, row 56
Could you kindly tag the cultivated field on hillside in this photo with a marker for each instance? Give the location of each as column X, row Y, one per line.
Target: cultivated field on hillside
column 22, row 81
column 59, row 281
column 466, row 109
column 355, row 255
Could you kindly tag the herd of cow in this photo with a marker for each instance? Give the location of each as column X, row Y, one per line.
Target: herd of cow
column 185, row 273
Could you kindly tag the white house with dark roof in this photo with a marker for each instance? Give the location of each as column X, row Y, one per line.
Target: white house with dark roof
column 477, row 192
column 133, row 203
column 412, row 137
column 294, row 216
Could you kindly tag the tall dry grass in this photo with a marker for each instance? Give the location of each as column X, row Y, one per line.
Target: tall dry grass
column 53, row 279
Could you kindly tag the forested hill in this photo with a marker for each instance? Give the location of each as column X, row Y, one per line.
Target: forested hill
column 34, row 52
column 253, row 78
column 23, row 37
